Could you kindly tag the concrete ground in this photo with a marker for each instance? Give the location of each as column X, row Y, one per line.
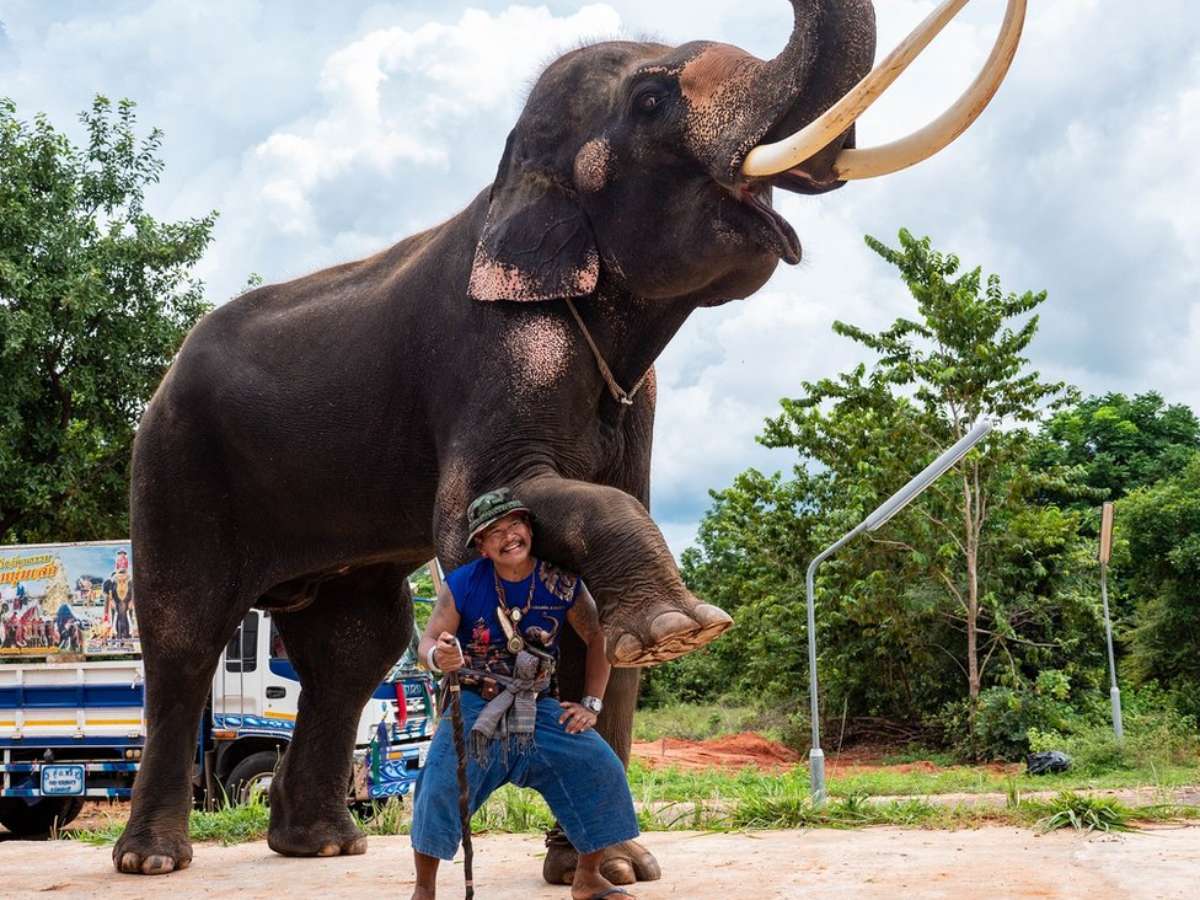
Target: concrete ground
column 1160, row 862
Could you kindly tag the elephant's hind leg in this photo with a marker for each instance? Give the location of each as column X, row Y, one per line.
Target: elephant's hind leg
column 342, row 647
column 182, row 632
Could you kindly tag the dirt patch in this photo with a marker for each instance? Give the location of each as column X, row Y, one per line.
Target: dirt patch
column 735, row 751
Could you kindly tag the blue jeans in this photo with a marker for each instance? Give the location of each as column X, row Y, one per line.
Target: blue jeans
column 579, row 776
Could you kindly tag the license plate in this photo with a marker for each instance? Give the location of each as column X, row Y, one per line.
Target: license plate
column 62, row 781
column 422, row 755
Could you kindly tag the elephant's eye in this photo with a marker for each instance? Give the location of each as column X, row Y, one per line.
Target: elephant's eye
column 648, row 101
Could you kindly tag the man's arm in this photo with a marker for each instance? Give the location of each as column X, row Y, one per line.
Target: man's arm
column 585, row 619
column 439, row 632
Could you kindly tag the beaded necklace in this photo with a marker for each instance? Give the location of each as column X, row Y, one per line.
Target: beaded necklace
column 510, row 617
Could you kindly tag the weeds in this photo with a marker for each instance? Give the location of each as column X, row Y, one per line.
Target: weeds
column 227, row 825
column 1071, row 810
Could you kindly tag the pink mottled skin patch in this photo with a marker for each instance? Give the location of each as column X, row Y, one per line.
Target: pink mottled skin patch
column 650, row 388
column 494, row 280
column 592, row 164
column 541, row 349
column 718, row 86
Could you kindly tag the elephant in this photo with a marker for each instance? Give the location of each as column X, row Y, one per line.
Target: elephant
column 316, row 441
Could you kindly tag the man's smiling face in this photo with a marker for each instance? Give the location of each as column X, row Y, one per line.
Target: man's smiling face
column 509, row 541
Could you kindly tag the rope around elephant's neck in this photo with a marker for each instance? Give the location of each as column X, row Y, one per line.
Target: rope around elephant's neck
column 618, row 394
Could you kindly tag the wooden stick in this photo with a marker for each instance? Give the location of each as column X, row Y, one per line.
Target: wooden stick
column 460, row 752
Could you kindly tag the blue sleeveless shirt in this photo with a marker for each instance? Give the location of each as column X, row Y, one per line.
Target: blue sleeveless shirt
column 473, row 587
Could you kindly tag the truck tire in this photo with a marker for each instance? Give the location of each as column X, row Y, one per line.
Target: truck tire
column 26, row 819
column 254, row 773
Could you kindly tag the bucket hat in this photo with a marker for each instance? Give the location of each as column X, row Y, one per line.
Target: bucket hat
column 487, row 508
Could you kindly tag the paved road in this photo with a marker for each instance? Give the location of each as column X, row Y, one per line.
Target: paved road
column 874, row 862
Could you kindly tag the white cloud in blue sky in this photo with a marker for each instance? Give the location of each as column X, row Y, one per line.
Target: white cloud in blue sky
column 323, row 132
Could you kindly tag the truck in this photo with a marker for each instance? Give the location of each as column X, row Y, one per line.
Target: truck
column 72, row 714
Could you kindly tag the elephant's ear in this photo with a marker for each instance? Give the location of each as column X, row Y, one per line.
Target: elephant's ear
column 536, row 243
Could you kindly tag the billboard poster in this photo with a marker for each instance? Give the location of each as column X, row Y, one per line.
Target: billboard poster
column 68, row 599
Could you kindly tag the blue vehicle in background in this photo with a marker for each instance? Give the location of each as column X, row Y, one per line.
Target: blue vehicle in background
column 72, row 720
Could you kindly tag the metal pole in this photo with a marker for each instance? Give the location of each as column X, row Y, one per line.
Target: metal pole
column 879, row 517
column 1114, row 691
column 816, row 756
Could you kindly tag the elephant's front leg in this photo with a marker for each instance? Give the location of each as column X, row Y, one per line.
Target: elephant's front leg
column 607, row 536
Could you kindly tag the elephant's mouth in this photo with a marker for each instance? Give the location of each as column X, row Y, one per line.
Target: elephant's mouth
column 776, row 233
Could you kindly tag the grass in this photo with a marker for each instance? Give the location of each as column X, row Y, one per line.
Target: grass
column 1070, row 810
column 670, row 799
column 974, row 780
column 701, row 721
column 228, row 825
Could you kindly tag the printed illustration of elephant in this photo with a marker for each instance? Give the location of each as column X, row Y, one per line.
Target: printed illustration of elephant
column 316, row 441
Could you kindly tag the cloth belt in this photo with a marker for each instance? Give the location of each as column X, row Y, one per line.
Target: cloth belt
column 512, row 712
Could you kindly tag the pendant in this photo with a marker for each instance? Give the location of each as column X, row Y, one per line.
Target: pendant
column 515, row 644
column 516, row 615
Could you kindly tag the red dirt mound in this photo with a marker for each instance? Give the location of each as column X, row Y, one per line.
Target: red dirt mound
column 735, row 751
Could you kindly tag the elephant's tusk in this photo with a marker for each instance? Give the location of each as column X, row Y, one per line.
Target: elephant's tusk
column 771, row 159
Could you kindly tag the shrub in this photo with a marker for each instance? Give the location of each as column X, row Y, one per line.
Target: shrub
column 1004, row 718
column 1156, row 734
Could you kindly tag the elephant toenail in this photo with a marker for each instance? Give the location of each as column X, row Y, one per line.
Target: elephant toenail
column 157, row 864
column 712, row 616
column 356, row 847
column 329, row 850
column 131, row 863
column 669, row 625
column 618, row 871
column 628, row 648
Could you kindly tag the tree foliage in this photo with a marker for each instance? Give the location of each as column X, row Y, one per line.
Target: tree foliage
column 974, row 584
column 960, row 361
column 1159, row 530
column 95, row 297
column 1116, row 444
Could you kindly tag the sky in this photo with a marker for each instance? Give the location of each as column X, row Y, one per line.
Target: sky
column 324, row 132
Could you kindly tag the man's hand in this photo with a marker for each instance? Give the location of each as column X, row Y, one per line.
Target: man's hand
column 576, row 717
column 448, row 654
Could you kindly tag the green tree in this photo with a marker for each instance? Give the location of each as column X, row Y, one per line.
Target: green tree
column 751, row 546
column 1158, row 549
column 969, row 552
column 1117, row 444
column 95, row 298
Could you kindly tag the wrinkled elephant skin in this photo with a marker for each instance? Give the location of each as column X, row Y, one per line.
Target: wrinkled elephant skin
column 316, row 441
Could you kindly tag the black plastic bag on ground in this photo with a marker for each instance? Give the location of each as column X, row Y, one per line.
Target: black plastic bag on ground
column 1047, row 763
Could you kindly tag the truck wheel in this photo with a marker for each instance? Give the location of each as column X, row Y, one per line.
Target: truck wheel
column 26, row 819
column 252, row 775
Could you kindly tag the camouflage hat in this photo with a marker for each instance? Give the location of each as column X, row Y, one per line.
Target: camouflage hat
column 487, row 508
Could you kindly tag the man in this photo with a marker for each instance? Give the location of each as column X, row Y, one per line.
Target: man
column 507, row 609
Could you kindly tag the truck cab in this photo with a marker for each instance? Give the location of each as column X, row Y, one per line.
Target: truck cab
column 253, row 706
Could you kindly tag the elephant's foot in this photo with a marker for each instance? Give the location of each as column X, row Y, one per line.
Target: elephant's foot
column 145, row 852
column 335, row 838
column 624, row 863
column 671, row 633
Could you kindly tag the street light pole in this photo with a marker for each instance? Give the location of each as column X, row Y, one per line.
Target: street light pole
column 881, row 515
column 1114, row 692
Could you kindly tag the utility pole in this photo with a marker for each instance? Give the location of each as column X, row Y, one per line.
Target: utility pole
column 1106, row 530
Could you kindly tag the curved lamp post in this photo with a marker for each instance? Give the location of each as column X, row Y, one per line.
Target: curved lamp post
column 884, row 512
